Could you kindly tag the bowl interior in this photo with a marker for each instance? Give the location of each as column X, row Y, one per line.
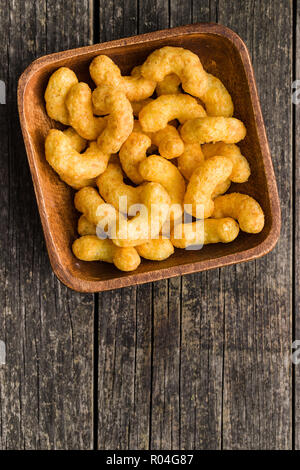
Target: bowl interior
column 219, row 57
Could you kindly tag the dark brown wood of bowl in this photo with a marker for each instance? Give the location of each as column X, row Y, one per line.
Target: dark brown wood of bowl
column 222, row 53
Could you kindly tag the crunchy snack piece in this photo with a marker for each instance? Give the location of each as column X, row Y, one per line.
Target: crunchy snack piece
column 156, row 250
column 112, row 187
column 80, row 109
column 156, row 114
column 221, row 188
column 203, row 182
column 159, row 170
column 137, row 87
column 105, row 72
column 132, row 153
column 203, row 232
column 190, row 159
column 107, row 100
column 78, row 143
column 240, row 170
column 137, row 106
column 170, row 85
column 127, row 258
column 85, row 227
column 88, row 202
column 184, row 63
column 60, row 83
column 243, row 208
column 147, row 224
column 217, row 100
column 168, row 140
column 193, row 157
column 76, row 169
column 213, row 129
column 92, row 248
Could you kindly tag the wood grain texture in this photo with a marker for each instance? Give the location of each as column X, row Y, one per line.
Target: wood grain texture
column 207, row 379
column 165, row 412
column 297, row 221
column 257, row 396
column 201, row 319
column 46, row 384
column 201, row 362
column 125, row 315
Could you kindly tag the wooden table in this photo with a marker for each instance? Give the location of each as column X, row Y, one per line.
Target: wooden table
column 198, row 362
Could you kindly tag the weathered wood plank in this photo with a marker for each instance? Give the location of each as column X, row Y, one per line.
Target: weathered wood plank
column 46, row 384
column 297, row 222
column 202, row 324
column 124, row 369
column 257, row 395
column 124, row 317
column 165, row 412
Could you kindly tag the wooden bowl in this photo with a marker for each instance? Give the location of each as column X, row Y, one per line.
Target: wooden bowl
column 222, row 53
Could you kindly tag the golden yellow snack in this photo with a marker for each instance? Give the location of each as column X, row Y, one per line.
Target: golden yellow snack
column 126, row 258
column 92, row 248
column 137, row 87
column 159, row 170
column 78, row 143
column 147, row 224
column 204, row 232
column 95, row 209
column 193, row 157
column 203, row 182
column 137, row 106
column 168, row 141
column 243, row 208
column 76, row 169
column 213, row 129
column 112, row 188
column 132, row 152
column 80, row 109
column 190, row 159
column 156, row 250
column 240, row 170
column 107, row 100
column 85, row 227
column 105, row 72
column 156, row 114
column 170, row 85
column 217, row 100
column 221, row 188
column 60, row 83
column 184, row 63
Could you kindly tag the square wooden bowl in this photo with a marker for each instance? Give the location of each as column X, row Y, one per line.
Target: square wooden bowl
column 223, row 54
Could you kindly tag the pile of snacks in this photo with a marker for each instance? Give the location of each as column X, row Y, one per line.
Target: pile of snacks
column 144, row 152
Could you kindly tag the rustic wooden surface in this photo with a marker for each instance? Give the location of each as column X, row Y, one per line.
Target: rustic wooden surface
column 296, row 195
column 197, row 362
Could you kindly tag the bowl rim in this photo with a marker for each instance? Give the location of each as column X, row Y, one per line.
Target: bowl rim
column 90, row 286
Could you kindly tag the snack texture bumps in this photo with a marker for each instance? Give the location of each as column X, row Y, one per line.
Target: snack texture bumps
column 76, row 169
column 56, row 92
column 156, row 114
column 184, row 63
column 144, row 151
column 213, row 129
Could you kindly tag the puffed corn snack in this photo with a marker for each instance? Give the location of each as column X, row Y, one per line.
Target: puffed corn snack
column 151, row 155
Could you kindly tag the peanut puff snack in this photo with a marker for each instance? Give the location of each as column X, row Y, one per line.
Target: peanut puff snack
column 146, row 151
